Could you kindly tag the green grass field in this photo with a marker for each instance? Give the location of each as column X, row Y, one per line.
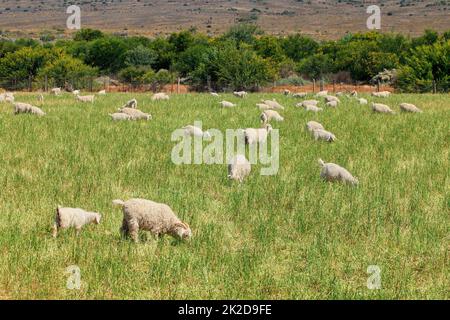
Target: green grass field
column 289, row 236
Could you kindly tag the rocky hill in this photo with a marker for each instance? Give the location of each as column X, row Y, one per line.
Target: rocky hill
column 323, row 19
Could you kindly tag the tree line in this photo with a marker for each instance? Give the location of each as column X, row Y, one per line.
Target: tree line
column 242, row 58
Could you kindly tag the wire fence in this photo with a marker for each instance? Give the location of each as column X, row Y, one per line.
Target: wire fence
column 89, row 84
column 347, row 87
column 94, row 84
column 334, row 87
column 46, row 84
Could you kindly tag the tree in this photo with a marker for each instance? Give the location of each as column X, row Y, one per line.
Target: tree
column 429, row 37
column 269, row 47
column 189, row 60
column 365, row 55
column 106, row 53
column 134, row 74
column 66, row 68
column 424, row 65
column 160, row 79
column 140, row 56
column 7, row 46
column 316, row 66
column 181, row 41
column 206, row 69
column 88, row 35
column 26, row 63
column 298, row 47
column 241, row 68
column 242, row 34
column 446, row 36
column 165, row 52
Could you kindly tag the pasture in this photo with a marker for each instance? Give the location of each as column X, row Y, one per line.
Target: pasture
column 288, row 236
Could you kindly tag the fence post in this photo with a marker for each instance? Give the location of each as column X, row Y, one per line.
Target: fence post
column 30, row 83
column 334, row 86
column 46, row 83
column 434, row 86
column 208, row 82
column 321, row 84
column 378, row 86
column 314, row 85
column 178, row 85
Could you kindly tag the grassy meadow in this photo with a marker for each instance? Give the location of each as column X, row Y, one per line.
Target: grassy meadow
column 289, row 236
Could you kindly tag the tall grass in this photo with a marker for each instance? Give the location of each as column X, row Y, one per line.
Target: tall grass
column 289, row 236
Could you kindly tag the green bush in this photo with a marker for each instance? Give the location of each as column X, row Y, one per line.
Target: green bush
column 292, row 81
column 67, row 69
column 424, row 66
column 159, row 79
column 134, row 75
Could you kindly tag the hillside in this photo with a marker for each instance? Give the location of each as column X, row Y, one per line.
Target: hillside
column 323, row 19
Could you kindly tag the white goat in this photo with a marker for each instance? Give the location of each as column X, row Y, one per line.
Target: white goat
column 136, row 114
column 333, row 172
column 273, row 104
column 20, row 107
column 253, row 136
column 381, row 94
column 307, row 103
column 160, row 96
column 332, row 104
column 158, row 218
column 193, row 131
column 270, row 115
column 73, row 218
column 332, row 98
column 239, row 168
column 227, row 104
column 408, row 107
column 321, row 134
column 381, row 108
column 86, row 99
column 240, row 94
column 362, row 101
column 55, row 91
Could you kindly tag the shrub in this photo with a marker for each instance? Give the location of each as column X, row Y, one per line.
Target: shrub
column 67, row 69
column 292, row 81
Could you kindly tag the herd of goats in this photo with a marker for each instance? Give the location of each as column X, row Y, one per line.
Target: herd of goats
column 158, row 218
